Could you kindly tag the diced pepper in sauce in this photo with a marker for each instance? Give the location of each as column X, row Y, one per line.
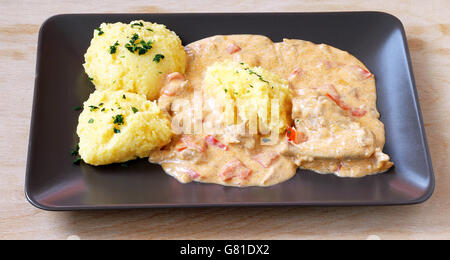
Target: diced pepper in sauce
column 291, row 134
column 295, row 137
column 365, row 74
column 191, row 142
column 211, row 140
column 234, row 169
column 266, row 158
column 233, row 48
column 180, row 146
column 176, row 83
column 193, row 174
column 297, row 72
column 357, row 112
column 339, row 167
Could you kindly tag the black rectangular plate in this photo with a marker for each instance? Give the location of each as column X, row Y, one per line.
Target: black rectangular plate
column 377, row 39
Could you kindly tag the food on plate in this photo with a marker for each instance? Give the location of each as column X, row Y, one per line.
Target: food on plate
column 133, row 57
column 236, row 110
column 252, row 91
column 332, row 127
column 334, row 110
column 118, row 126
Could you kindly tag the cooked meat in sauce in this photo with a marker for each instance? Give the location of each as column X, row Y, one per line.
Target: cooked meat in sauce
column 327, row 116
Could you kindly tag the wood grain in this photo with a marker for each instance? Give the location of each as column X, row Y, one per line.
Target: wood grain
column 427, row 25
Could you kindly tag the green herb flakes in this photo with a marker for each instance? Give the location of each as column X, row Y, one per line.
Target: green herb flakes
column 158, row 58
column 116, row 131
column 140, row 24
column 100, row 32
column 75, row 150
column 91, row 121
column 118, row 119
column 133, row 45
column 77, row 161
column 113, row 48
column 135, row 110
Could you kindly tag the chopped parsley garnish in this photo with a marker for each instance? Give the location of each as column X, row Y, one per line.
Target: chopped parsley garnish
column 158, row 58
column 116, row 131
column 91, row 79
column 134, row 38
column 137, row 24
column 75, row 150
column 100, row 32
column 77, row 161
column 124, row 97
column 226, row 90
column 251, row 86
column 260, row 78
column 113, row 48
column 145, row 47
column 118, row 119
column 93, row 108
column 251, row 72
column 135, row 110
column 78, row 108
column 91, row 121
column 103, row 109
column 132, row 46
column 101, row 104
column 150, row 30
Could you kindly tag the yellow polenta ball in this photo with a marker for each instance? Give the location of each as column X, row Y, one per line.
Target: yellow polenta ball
column 118, row 126
column 133, row 57
column 255, row 92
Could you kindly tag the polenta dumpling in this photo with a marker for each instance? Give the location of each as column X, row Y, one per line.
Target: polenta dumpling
column 133, row 57
column 254, row 91
column 118, row 126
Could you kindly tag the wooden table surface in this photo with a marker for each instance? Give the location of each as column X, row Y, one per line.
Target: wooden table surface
column 427, row 26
